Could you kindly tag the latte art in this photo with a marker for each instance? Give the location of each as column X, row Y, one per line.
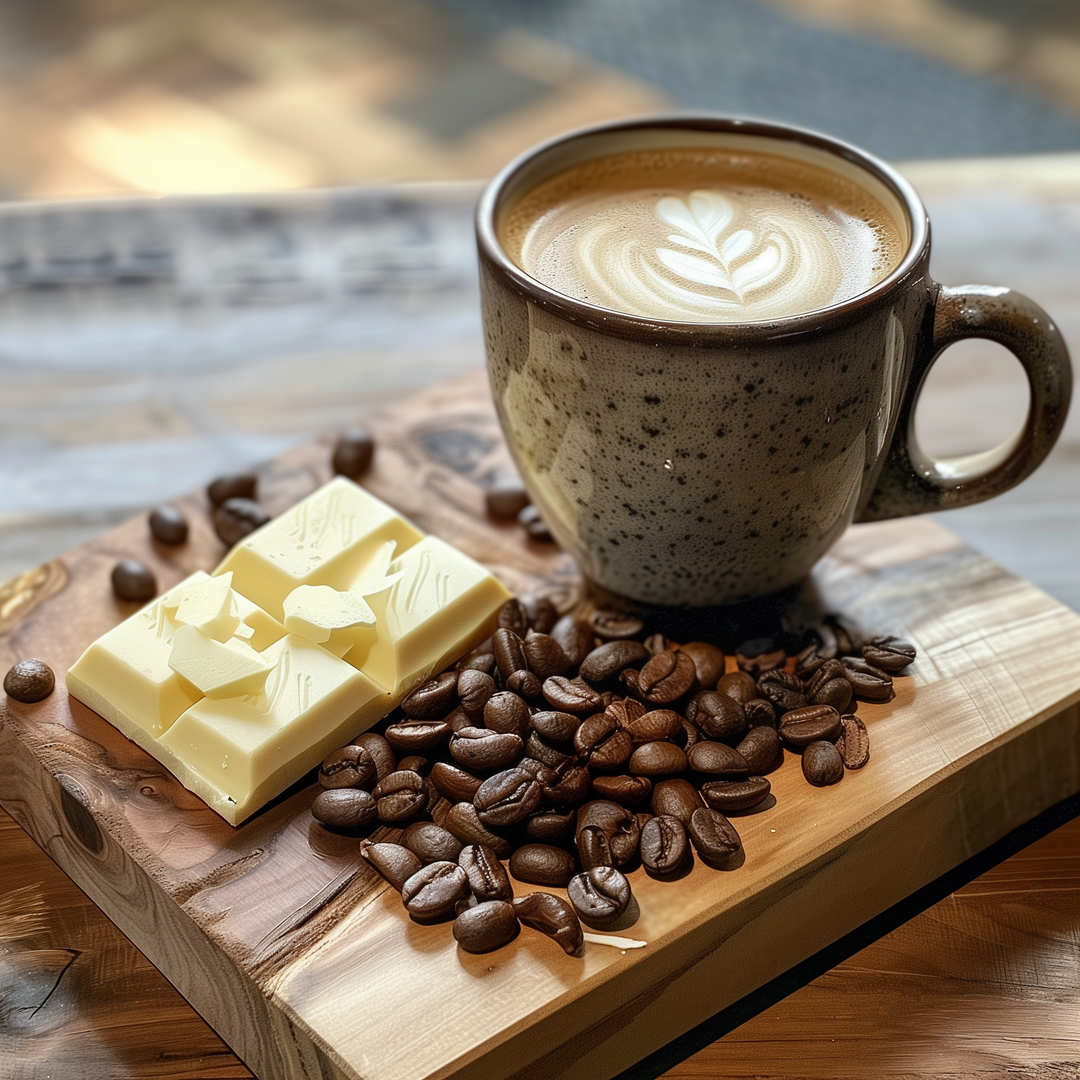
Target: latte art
column 733, row 251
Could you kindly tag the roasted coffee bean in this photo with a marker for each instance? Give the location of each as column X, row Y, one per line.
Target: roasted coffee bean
column 834, row 692
column 381, row 753
column 464, row 822
column 576, row 638
column 400, row 796
column 729, row 795
column 757, row 664
column 594, row 848
column 738, row 686
column 890, row 654
column 626, row 711
column 717, row 759
column 553, row 916
column 600, row 896
column 810, row 660
column 543, row 864
column 513, row 617
column 349, row 767
column 657, row 759
column 601, row 742
column 525, row 684
column 344, row 808
column 713, row 836
column 800, row 727
column 822, row 764
column 675, row 798
column 353, row 453
column 430, row 843
column 784, row 690
column 688, row 737
column 168, row 526
column 482, row 748
column 627, row 790
column 854, row 744
column 434, row 890
column 557, row 726
column 433, row 698
column 717, row 715
column 544, row 752
column 415, row 763
column 829, row 669
column 571, row 695
column 477, row 661
column 607, row 660
column 417, row 736
column 551, row 824
column 233, row 486
column 506, row 712
column 476, row 689
column 708, row 663
column 545, row 655
column 760, row 712
column 657, row 643
column 846, row 636
column 611, row 625
column 456, row 784
column 459, row 719
column 566, row 785
column 394, row 862
column 505, row 499
column 654, row 726
column 868, row 682
column 535, row 525
column 29, row 681
column 236, row 518
column 761, row 750
column 487, row 876
column 131, row 580
column 666, row 677
column 486, row 927
column 665, row 852
column 542, row 613
column 506, row 798
column 621, row 827
column 509, row 651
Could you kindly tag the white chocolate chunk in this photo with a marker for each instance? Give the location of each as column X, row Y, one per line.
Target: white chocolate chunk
column 209, row 606
column 219, row 669
column 315, row 611
column 329, row 538
column 615, row 942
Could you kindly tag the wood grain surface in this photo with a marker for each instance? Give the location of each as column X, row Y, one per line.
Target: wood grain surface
column 265, row 927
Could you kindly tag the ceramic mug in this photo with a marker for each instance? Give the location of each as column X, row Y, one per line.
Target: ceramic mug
column 697, row 464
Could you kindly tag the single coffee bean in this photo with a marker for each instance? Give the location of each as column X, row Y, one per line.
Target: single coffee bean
column 505, row 499
column 486, row 927
column 783, row 689
column 543, row 864
column 507, row 797
column 676, row 798
column 610, row 625
column 487, row 876
column 829, row 669
column 716, row 758
column 542, row 613
column 665, row 852
column 547, row 754
column 835, row 692
column 433, row 891
column 477, row 661
column 415, row 763
column 551, row 824
column 728, row 795
column 854, row 744
column 657, row 643
column 657, row 759
column 353, row 453
column 400, row 796
column 233, row 486
column 524, row 683
column 394, row 862
column 594, row 848
column 476, row 689
column 654, row 726
column 349, row 767
column 602, row 743
column 761, row 750
column 29, row 681
column 757, row 664
column 433, row 698
column 868, row 682
column 738, row 686
column 236, row 518
column 344, row 808
column 168, row 526
column 708, row 663
column 545, row 655
column 627, row 710
column 620, row 826
column 760, row 712
column 506, row 712
column 810, row 660
column 459, row 719
column 846, row 636
column 509, row 650
column 131, row 580
column 600, row 896
column 572, row 696
column 381, row 753
column 430, row 843
column 666, row 677
column 481, row 748
column 576, row 638
column 822, row 764
column 628, row 790
column 464, row 822
column 607, row 660
column 800, row 727
column 713, row 836
column 890, row 654
column 456, row 784
column 566, row 784
column 417, row 736
column 557, row 726
column 535, row 525
column 717, row 716
column 553, row 916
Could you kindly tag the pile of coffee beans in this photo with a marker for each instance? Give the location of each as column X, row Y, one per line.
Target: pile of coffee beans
column 571, row 750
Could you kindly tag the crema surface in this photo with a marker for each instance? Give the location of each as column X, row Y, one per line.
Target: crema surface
column 699, row 235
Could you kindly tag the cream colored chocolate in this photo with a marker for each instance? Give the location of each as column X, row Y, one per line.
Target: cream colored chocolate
column 238, row 706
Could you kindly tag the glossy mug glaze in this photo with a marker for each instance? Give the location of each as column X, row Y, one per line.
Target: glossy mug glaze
column 692, row 463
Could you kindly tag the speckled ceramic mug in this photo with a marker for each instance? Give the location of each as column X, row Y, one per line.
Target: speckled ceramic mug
column 698, row 464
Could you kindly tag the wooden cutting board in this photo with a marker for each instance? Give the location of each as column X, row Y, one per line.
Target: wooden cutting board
column 303, row 959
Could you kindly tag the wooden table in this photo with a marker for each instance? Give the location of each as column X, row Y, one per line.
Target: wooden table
column 969, row 977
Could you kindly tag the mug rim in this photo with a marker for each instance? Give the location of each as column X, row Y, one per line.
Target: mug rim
column 622, row 324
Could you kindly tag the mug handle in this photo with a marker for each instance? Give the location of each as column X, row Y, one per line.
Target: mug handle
column 912, row 482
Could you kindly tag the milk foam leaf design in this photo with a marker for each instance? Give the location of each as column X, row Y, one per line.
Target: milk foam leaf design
column 701, row 220
column 696, row 269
